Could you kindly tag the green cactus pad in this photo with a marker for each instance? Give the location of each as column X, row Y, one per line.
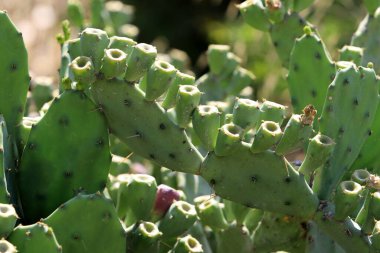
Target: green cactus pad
column 317, row 241
column 254, row 14
column 158, row 139
column 284, row 34
column 268, row 182
column 4, row 195
column 367, row 36
column 14, row 74
column 35, row 238
column 60, row 171
column 306, row 85
column 233, row 238
column 353, row 90
column 88, row 223
column 9, row 158
column 368, row 156
column 278, row 232
column 347, row 233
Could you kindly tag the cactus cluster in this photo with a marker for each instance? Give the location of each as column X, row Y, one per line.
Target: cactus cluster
column 131, row 153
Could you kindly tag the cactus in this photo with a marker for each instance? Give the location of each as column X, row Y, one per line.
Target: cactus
column 258, row 197
column 71, row 120
column 105, row 234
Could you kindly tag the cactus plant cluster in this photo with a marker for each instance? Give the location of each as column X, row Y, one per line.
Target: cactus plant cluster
column 134, row 154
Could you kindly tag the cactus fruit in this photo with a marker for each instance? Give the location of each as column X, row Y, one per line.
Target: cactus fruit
column 139, row 61
column 178, row 219
column 143, row 237
column 188, row 98
column 114, row 63
column 7, row 247
column 158, row 79
column 171, row 96
column 165, row 197
column 206, row 122
column 187, row 244
column 347, row 198
column 319, row 150
column 268, row 134
column 228, row 139
column 8, row 218
column 297, row 131
column 210, row 213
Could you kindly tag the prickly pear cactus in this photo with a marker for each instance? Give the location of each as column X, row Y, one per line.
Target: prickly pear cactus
column 97, row 230
column 80, row 162
column 14, row 72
